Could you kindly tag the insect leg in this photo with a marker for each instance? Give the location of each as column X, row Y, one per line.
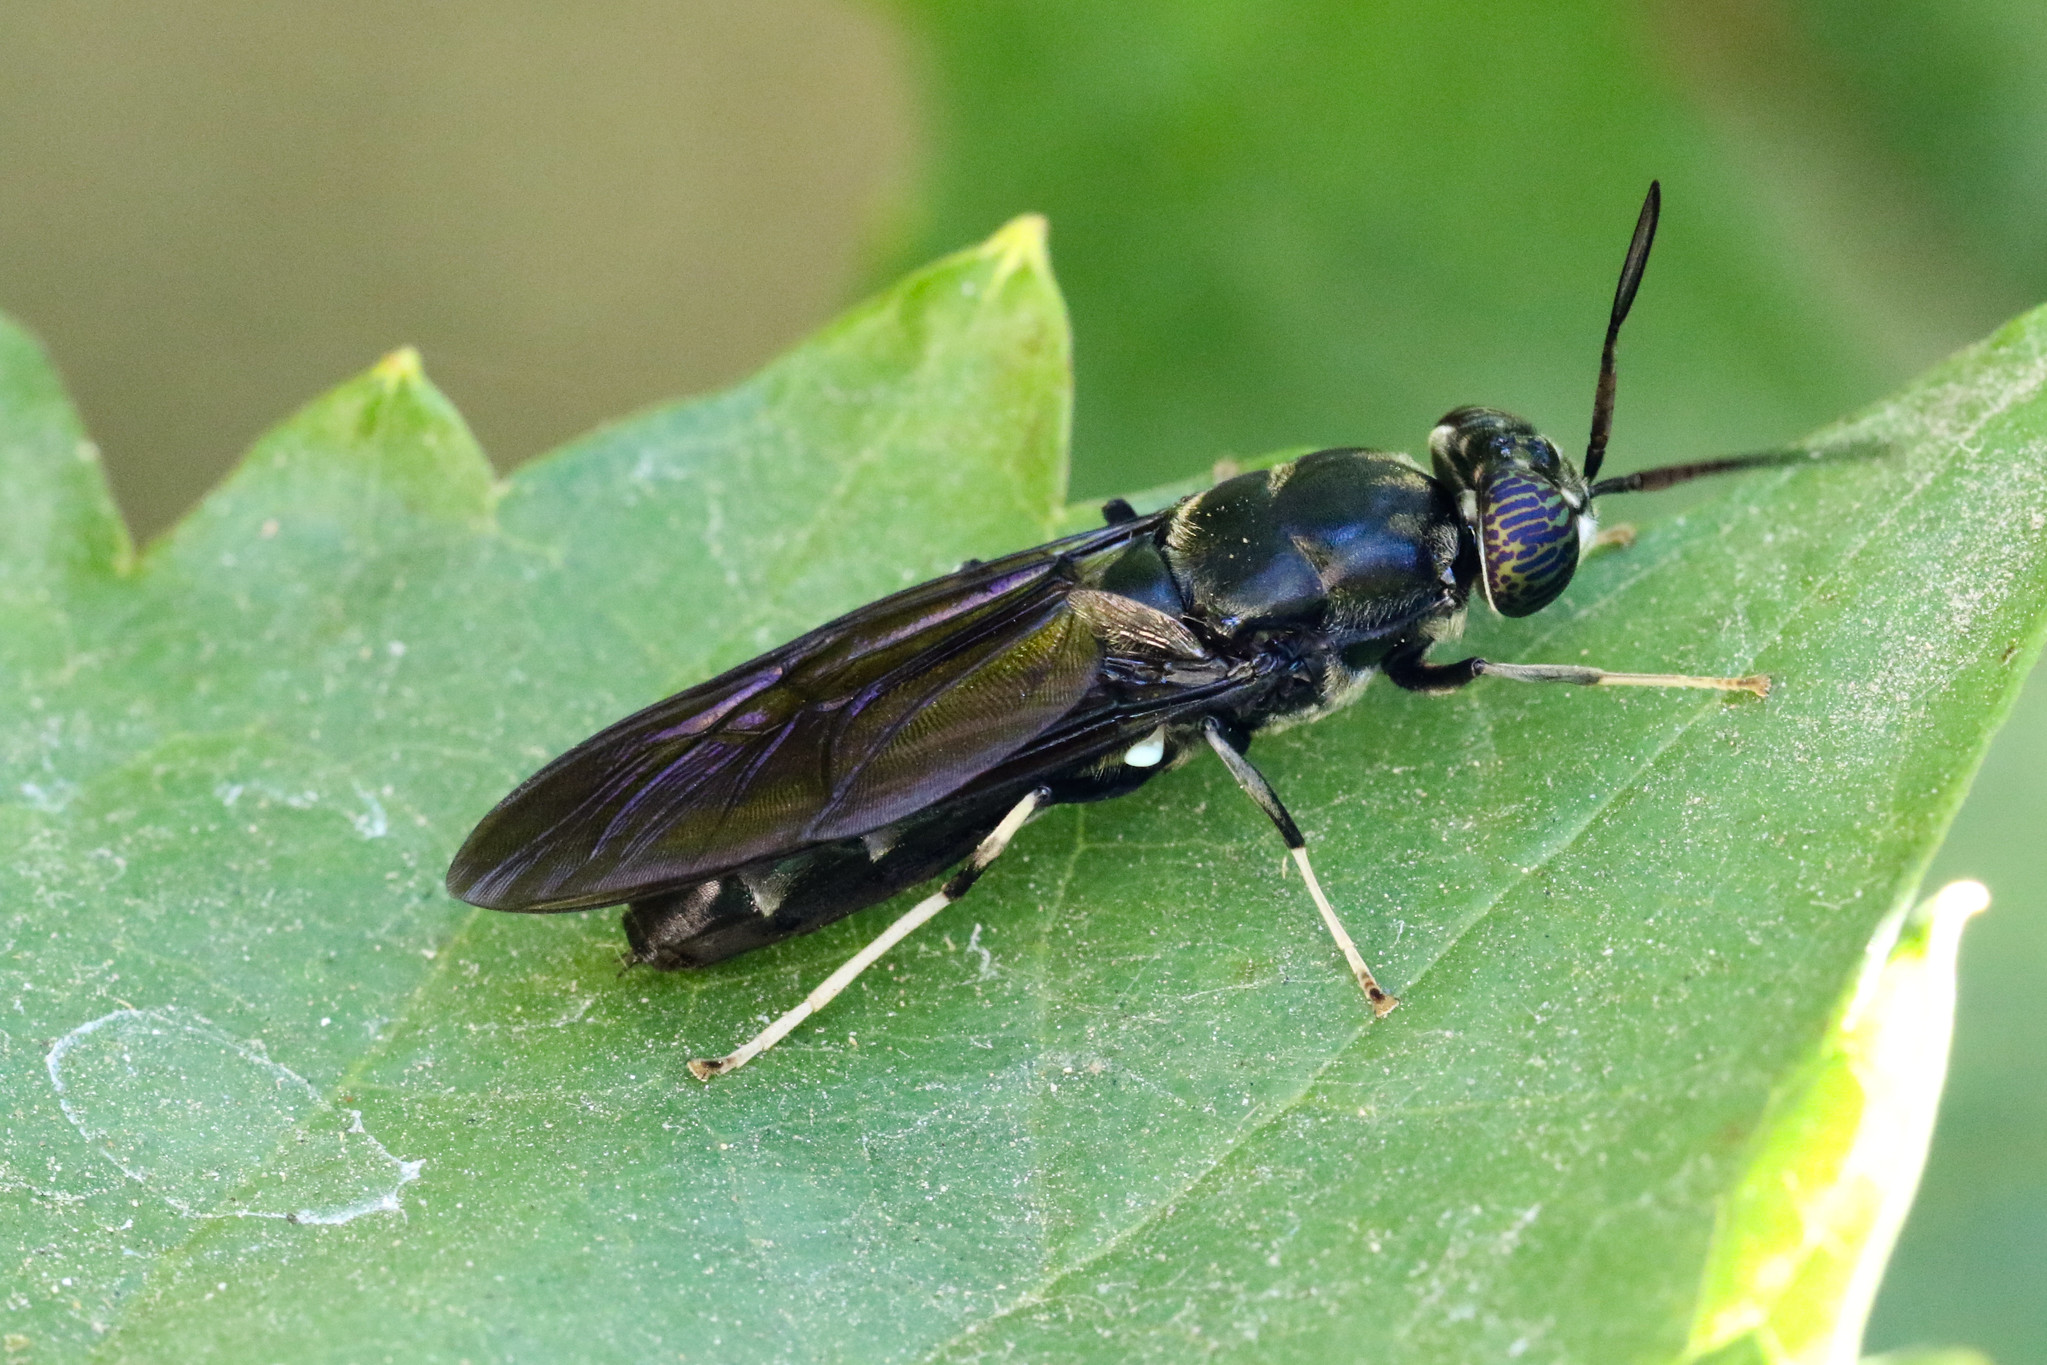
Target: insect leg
column 956, row 886
column 1756, row 683
column 1260, row 791
column 1412, row 672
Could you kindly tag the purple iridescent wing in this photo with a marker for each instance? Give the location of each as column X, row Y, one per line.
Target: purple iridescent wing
column 856, row 725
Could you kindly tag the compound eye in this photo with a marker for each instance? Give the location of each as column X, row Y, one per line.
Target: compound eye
column 1528, row 539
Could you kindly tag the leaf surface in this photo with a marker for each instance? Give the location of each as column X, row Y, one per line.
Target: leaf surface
column 1377, row 211
column 1123, row 1103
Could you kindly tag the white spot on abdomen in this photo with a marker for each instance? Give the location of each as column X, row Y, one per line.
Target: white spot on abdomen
column 1147, row 752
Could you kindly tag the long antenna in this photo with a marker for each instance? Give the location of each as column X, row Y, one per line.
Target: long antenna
column 1670, row 475
column 1623, row 300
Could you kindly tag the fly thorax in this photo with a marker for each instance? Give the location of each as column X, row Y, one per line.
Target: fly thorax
column 1341, row 684
column 1350, row 543
column 1234, row 561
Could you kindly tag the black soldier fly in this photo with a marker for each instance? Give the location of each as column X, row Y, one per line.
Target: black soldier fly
column 925, row 729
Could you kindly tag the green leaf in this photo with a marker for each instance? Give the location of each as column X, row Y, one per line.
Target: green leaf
column 1964, row 1268
column 1333, row 223
column 1802, row 1240
column 1123, row 1102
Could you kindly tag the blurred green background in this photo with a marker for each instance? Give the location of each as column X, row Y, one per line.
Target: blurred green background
column 1323, row 222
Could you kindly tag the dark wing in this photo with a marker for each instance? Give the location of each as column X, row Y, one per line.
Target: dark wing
column 853, row 726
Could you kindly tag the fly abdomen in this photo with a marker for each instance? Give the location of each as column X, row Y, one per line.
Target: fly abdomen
column 768, row 901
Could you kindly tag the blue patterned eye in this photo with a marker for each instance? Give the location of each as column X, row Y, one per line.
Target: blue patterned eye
column 1528, row 538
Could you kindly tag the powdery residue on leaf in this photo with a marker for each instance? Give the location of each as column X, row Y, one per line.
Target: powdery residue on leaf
column 214, row 1128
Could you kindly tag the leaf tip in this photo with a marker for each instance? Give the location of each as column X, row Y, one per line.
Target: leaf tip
column 1800, row 1241
column 399, row 368
column 1957, row 901
column 1019, row 244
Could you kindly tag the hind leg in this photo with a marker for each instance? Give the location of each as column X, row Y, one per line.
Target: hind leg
column 955, row 887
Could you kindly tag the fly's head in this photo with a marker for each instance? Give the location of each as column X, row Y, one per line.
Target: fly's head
column 1526, row 505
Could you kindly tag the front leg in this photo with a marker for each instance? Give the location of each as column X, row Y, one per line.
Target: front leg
column 1412, row 671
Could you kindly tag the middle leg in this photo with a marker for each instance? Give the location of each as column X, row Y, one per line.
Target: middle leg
column 1260, row 791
